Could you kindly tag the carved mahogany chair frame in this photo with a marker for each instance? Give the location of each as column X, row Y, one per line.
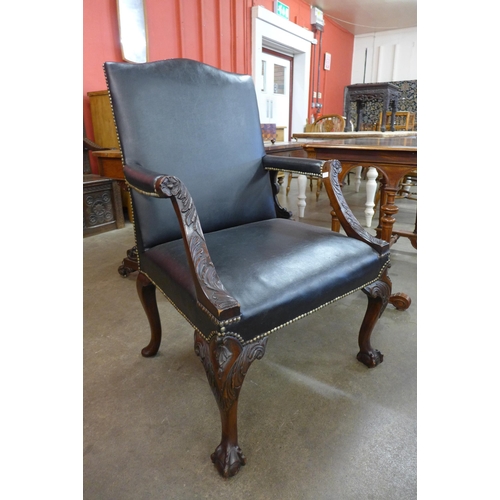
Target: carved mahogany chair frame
column 194, row 267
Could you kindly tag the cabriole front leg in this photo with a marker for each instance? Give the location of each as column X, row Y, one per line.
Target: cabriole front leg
column 147, row 294
column 226, row 362
column 378, row 297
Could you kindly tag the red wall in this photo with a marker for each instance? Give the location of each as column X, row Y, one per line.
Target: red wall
column 339, row 43
column 217, row 32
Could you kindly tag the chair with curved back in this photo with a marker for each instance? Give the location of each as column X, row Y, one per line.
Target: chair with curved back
column 329, row 123
column 211, row 235
column 404, row 120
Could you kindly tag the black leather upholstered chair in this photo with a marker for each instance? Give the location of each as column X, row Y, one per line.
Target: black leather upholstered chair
column 221, row 248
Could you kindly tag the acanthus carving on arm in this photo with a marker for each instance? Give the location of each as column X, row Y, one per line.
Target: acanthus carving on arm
column 211, row 293
column 347, row 219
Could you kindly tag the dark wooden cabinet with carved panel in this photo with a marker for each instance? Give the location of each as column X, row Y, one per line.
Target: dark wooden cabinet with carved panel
column 362, row 93
column 102, row 206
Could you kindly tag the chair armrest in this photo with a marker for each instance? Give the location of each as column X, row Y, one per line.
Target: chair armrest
column 92, row 146
column 210, row 292
column 347, row 219
column 304, row 166
column 142, row 180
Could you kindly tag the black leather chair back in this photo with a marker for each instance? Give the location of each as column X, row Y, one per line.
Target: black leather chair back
column 184, row 118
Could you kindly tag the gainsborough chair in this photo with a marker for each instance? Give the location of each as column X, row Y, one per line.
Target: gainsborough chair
column 211, row 235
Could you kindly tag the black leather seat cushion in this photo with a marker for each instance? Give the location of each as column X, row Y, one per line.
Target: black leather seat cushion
column 262, row 266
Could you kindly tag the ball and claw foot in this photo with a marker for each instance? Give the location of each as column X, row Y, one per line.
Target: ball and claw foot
column 228, row 460
column 371, row 359
column 124, row 271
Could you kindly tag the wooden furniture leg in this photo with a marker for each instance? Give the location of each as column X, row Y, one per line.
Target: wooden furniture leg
column 319, row 186
column 226, row 362
column 385, row 108
column 388, row 209
column 359, row 113
column 129, row 264
column 147, row 294
column 287, row 181
column 378, row 294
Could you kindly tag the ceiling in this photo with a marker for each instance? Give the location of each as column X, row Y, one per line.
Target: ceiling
column 369, row 16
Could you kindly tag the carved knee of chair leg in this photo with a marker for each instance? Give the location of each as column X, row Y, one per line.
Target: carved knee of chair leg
column 378, row 294
column 226, row 362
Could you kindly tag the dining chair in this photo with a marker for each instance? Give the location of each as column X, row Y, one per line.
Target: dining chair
column 404, row 120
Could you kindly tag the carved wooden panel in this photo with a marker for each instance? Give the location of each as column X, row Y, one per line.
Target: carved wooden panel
column 101, row 205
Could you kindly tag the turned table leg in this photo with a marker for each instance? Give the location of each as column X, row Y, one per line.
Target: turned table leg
column 301, row 198
column 371, row 189
column 388, row 209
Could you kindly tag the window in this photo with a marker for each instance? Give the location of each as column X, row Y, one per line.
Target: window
column 279, row 79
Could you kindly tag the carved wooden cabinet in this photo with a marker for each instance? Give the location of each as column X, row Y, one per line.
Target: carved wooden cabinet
column 109, row 164
column 361, row 93
column 102, row 207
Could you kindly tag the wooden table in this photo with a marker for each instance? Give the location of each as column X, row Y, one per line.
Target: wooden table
column 393, row 158
column 371, row 185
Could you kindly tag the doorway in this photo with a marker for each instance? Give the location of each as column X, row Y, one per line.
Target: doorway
column 275, row 89
column 272, row 33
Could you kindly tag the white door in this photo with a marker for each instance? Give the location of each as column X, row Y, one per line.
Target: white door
column 273, row 91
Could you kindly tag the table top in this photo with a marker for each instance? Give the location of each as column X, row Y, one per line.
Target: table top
column 383, row 141
column 281, row 146
column 369, row 86
column 393, row 143
column 352, row 135
column 93, row 178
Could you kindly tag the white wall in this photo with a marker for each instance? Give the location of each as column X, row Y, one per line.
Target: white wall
column 389, row 55
column 277, row 33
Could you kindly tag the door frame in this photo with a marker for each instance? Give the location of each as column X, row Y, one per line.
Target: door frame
column 276, row 33
column 265, row 50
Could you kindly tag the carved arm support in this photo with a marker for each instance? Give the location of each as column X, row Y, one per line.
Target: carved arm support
column 210, row 291
column 350, row 224
column 329, row 170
